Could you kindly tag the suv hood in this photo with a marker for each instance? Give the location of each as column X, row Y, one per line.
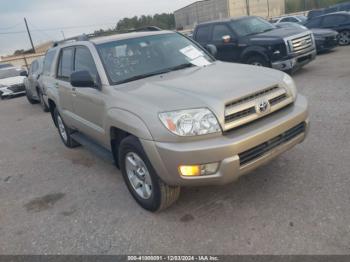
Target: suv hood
column 10, row 81
column 211, row 87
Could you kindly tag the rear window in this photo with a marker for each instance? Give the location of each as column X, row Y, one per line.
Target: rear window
column 202, row 34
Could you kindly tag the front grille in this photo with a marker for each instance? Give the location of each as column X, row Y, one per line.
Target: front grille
column 252, row 97
column 260, row 150
column 240, row 114
column 16, row 88
column 244, row 110
column 301, row 44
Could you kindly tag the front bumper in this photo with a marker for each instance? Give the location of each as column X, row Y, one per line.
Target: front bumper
column 12, row 91
column 294, row 63
column 226, row 149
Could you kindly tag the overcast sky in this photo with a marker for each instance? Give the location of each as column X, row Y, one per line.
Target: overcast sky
column 67, row 14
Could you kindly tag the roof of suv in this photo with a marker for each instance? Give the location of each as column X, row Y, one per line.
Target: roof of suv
column 117, row 37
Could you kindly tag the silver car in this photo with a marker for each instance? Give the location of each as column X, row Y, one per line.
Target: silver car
column 32, row 84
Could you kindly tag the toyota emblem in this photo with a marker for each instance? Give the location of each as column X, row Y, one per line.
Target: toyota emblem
column 263, row 106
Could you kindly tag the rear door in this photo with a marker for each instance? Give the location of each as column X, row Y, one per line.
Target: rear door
column 64, row 70
column 88, row 103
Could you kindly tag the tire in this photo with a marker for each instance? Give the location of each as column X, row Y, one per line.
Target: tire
column 257, row 60
column 43, row 105
column 153, row 195
column 64, row 131
column 30, row 99
column 344, row 38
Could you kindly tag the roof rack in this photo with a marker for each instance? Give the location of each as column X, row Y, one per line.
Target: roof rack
column 83, row 37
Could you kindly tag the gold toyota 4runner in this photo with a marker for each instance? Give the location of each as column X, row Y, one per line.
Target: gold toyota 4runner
column 170, row 114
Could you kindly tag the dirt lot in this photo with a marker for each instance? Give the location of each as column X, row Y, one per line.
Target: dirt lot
column 59, row 201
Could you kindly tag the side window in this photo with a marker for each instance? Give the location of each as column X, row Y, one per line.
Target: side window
column 333, row 20
column 65, row 66
column 219, row 31
column 314, row 23
column 84, row 61
column 202, row 35
column 290, row 19
column 50, row 55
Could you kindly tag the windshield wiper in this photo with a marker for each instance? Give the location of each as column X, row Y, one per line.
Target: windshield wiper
column 163, row 71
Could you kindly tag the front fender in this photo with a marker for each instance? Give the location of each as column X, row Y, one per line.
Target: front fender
column 128, row 122
column 255, row 50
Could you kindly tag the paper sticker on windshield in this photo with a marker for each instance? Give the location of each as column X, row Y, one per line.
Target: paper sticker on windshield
column 200, row 61
column 191, row 52
column 195, row 56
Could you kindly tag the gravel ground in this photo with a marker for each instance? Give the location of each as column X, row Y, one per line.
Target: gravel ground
column 60, row 201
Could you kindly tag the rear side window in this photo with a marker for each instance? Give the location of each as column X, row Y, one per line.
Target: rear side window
column 219, row 31
column 333, row 20
column 289, row 19
column 50, row 55
column 202, row 35
column 85, row 62
column 65, row 66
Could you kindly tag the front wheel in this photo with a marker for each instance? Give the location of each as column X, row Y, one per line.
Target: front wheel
column 64, row 131
column 344, row 38
column 257, row 60
column 149, row 191
column 30, row 98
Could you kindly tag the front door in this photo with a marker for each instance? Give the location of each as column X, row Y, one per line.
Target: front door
column 88, row 103
column 225, row 42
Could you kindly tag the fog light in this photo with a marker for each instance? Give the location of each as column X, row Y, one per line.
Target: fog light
column 199, row 170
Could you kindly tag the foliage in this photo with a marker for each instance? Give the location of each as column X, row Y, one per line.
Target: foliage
column 163, row 21
column 303, row 5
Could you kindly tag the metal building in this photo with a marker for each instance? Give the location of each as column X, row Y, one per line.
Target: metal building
column 207, row 10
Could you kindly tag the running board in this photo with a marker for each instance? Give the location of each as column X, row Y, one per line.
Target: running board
column 93, row 147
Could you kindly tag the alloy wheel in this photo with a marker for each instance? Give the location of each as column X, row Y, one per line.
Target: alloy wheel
column 138, row 175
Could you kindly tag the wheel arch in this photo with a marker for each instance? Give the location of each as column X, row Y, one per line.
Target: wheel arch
column 52, row 106
column 253, row 51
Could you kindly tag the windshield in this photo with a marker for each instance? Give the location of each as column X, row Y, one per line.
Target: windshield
column 251, row 26
column 10, row 72
column 136, row 58
column 291, row 25
column 302, row 18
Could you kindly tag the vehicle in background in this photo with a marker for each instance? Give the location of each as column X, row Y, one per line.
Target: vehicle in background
column 300, row 19
column 253, row 40
column 326, row 39
column 11, row 81
column 331, row 9
column 5, row 65
column 339, row 22
column 34, row 91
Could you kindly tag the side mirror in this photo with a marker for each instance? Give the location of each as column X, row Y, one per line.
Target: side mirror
column 82, row 79
column 23, row 73
column 212, row 50
column 226, row 39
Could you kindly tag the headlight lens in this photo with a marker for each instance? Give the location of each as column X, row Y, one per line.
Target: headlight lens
column 290, row 85
column 192, row 122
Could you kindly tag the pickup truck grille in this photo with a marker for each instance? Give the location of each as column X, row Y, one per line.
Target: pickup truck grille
column 246, row 109
column 301, row 44
column 260, row 150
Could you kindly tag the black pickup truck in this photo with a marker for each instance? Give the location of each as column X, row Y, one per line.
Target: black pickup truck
column 252, row 40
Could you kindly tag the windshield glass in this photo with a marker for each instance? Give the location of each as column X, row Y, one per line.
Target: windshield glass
column 302, row 18
column 251, row 26
column 136, row 58
column 10, row 72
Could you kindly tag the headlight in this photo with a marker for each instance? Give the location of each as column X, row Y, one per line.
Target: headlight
column 192, row 122
column 290, row 85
